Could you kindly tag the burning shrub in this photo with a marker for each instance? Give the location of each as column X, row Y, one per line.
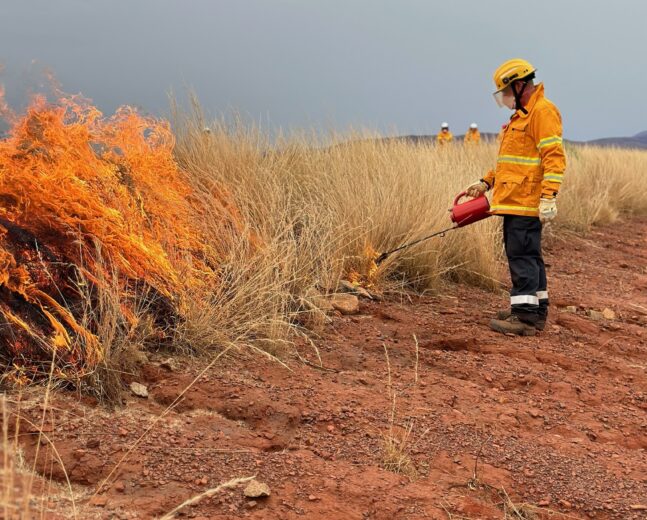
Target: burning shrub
column 88, row 201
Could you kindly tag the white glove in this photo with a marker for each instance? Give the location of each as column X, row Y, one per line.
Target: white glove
column 477, row 189
column 547, row 209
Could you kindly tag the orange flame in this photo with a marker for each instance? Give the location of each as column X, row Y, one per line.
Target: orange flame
column 71, row 180
column 366, row 271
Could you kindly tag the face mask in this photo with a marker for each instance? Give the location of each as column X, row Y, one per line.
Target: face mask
column 505, row 98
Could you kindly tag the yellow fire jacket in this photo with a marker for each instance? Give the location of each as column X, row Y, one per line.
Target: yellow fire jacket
column 531, row 159
column 444, row 137
column 473, row 136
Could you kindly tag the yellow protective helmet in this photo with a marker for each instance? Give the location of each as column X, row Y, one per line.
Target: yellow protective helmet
column 510, row 71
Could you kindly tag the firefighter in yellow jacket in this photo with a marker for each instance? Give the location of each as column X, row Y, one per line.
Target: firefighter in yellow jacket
column 444, row 136
column 473, row 136
column 525, row 183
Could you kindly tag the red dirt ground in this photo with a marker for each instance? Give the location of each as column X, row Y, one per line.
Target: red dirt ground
column 560, row 419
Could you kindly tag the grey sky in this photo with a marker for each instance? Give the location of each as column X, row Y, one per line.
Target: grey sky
column 398, row 66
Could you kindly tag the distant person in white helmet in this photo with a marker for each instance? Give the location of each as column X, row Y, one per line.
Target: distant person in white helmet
column 473, row 136
column 444, row 136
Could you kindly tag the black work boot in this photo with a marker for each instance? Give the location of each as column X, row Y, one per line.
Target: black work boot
column 540, row 324
column 513, row 325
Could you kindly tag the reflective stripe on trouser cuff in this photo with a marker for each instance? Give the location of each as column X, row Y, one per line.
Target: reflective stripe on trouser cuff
column 542, row 295
column 524, row 299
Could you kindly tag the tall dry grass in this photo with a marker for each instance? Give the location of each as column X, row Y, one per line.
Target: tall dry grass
column 321, row 207
column 602, row 185
column 318, row 211
column 323, row 202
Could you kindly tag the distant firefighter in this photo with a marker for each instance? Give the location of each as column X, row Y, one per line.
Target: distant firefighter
column 473, row 136
column 444, row 136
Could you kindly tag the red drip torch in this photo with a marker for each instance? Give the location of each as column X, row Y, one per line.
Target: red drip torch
column 461, row 214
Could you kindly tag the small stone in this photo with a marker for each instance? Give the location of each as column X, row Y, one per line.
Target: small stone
column 565, row 504
column 169, row 364
column 545, row 502
column 78, row 454
column 363, row 293
column 123, row 432
column 98, row 501
column 313, row 299
column 139, row 390
column 256, row 489
column 595, row 315
column 357, row 290
column 346, row 286
column 608, row 314
column 345, row 303
column 312, row 498
column 534, row 413
column 572, row 309
column 251, row 504
column 120, row 486
column 330, row 428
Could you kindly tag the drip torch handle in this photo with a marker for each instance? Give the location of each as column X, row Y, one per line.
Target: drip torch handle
column 464, row 194
column 459, row 197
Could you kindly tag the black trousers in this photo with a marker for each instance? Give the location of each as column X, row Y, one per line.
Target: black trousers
column 529, row 295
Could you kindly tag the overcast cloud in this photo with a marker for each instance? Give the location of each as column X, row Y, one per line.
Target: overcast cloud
column 399, row 66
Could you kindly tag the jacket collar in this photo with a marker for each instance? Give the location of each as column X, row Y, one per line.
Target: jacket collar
column 536, row 95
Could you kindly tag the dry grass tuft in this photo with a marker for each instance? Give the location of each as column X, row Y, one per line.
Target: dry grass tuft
column 396, row 450
column 396, row 441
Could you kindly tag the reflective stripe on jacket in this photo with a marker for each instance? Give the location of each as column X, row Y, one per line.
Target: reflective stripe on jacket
column 531, row 159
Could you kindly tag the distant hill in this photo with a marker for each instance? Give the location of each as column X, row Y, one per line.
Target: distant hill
column 637, row 141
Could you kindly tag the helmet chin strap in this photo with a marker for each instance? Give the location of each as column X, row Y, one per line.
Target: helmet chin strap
column 517, row 97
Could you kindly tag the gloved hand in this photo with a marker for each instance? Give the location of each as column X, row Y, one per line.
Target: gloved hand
column 547, row 209
column 476, row 189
